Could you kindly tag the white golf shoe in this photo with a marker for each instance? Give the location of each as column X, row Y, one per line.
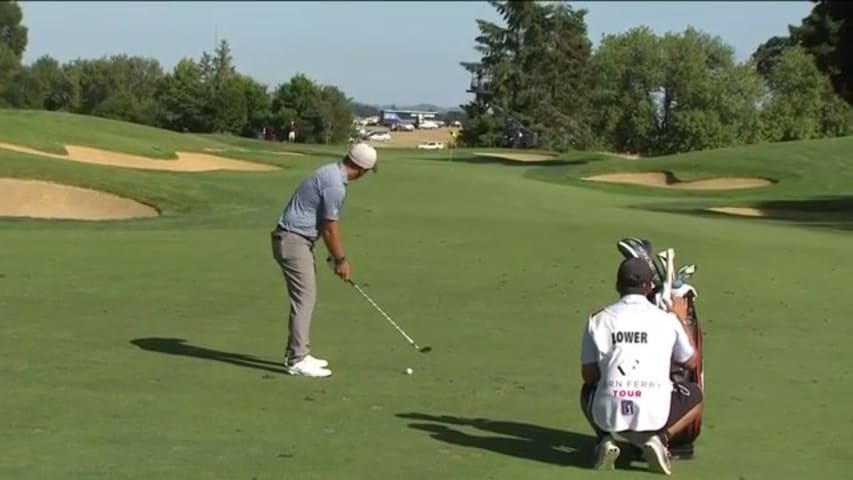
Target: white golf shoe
column 606, row 454
column 308, row 368
column 657, row 456
column 317, row 361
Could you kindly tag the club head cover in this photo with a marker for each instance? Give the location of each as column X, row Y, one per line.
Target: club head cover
column 682, row 289
column 636, row 248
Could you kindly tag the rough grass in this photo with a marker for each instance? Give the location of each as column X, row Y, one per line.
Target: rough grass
column 148, row 349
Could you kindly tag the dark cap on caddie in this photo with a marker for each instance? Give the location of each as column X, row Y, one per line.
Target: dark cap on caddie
column 632, row 275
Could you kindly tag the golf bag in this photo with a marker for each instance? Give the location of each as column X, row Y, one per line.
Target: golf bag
column 681, row 445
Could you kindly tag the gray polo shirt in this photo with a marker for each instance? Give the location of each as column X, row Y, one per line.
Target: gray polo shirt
column 320, row 196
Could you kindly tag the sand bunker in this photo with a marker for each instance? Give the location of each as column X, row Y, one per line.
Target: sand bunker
column 781, row 214
column 517, row 157
column 743, row 211
column 624, row 156
column 186, row 162
column 667, row 180
column 40, row 199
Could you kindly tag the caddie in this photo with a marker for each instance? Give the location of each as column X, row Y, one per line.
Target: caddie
column 314, row 212
column 627, row 352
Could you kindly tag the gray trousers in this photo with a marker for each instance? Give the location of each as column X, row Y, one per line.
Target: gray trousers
column 295, row 256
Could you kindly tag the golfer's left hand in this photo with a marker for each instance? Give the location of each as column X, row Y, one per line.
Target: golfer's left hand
column 343, row 270
column 679, row 307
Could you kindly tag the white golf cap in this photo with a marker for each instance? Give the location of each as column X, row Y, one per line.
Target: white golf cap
column 363, row 155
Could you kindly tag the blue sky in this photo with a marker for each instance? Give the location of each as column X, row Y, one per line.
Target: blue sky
column 377, row 52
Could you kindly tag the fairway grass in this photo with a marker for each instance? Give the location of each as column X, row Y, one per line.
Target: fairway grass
column 149, row 348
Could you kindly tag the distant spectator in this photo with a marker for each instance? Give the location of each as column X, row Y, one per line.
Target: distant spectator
column 291, row 132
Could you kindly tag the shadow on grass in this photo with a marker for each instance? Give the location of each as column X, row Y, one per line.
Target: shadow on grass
column 520, row 440
column 178, row 346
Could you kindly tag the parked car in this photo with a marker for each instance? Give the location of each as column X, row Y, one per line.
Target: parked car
column 402, row 126
column 427, row 125
column 378, row 136
column 431, row 146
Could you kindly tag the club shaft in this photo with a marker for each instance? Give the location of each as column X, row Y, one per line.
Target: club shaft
column 382, row 312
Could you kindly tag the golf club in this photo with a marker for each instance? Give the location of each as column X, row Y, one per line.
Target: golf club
column 662, row 257
column 686, row 271
column 647, row 244
column 666, row 293
column 424, row 349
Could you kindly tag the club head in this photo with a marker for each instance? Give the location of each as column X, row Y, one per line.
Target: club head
column 686, row 271
column 425, row 349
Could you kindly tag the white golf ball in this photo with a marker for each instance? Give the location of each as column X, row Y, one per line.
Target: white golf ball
column 409, row 371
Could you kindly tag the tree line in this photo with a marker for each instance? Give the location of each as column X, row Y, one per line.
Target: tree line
column 205, row 95
column 644, row 93
column 538, row 78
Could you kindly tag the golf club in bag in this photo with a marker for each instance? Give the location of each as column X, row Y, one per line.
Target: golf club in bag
column 666, row 282
column 424, row 349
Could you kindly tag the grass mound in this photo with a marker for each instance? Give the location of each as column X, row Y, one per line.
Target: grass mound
column 186, row 161
column 516, row 157
column 50, row 131
column 809, row 167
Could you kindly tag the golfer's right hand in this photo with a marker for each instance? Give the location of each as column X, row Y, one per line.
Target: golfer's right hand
column 343, row 270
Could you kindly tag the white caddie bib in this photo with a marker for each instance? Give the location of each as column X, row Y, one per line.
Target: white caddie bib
column 634, row 340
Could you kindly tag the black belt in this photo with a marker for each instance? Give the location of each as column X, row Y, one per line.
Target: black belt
column 280, row 229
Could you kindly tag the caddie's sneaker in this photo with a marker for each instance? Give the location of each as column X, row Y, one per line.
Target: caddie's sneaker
column 606, row 453
column 657, row 456
column 307, row 368
column 317, row 361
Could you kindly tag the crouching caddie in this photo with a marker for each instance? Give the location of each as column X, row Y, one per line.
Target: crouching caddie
column 627, row 353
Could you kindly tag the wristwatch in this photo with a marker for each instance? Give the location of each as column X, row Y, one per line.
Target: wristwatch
column 341, row 260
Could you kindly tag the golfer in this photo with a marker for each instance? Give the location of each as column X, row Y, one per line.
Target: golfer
column 313, row 212
column 627, row 353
